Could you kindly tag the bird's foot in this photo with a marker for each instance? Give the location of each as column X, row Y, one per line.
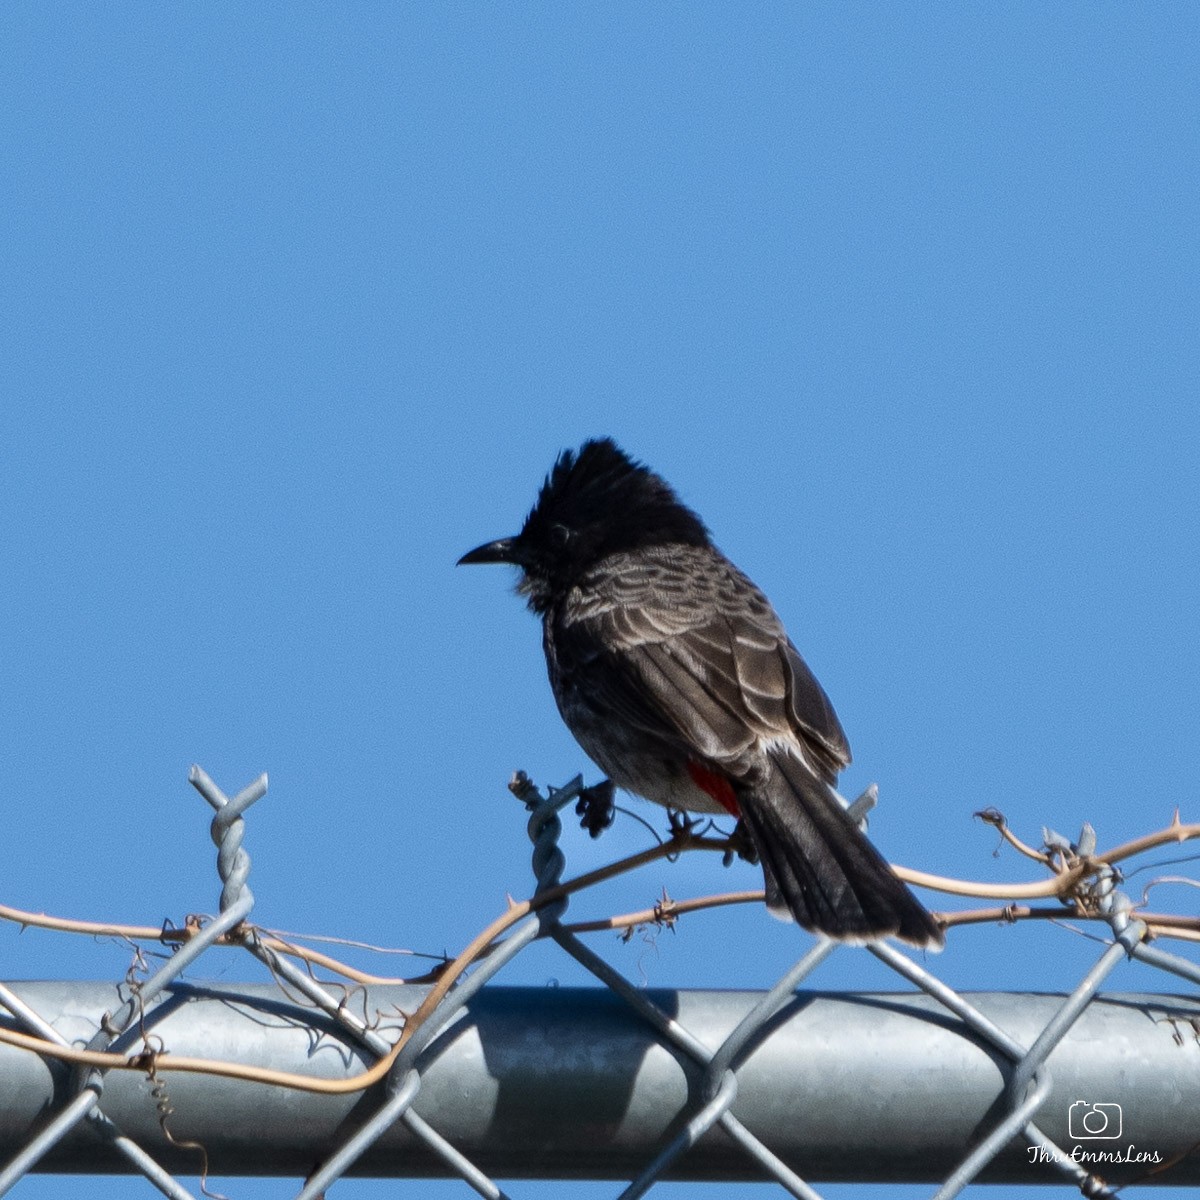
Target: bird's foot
column 596, row 808
column 680, row 824
column 741, row 844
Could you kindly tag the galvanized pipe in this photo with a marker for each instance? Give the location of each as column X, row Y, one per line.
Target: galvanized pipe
column 572, row 1083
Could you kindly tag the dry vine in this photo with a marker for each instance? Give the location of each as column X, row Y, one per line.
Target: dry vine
column 1074, row 870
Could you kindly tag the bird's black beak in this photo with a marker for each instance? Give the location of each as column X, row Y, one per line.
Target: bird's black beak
column 506, row 550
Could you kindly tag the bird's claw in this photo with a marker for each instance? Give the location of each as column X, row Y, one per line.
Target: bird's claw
column 596, row 808
column 680, row 824
column 741, row 844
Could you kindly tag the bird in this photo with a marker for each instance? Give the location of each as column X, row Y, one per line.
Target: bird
column 677, row 678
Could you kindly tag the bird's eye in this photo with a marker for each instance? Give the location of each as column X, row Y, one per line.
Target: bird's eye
column 560, row 535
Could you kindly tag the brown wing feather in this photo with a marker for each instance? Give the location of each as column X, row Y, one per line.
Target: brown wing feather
column 698, row 657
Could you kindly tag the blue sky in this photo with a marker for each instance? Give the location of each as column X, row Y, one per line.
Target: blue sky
column 300, row 303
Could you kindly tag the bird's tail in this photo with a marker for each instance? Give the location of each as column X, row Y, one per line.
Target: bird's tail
column 819, row 867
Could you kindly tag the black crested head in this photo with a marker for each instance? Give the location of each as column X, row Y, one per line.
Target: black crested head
column 595, row 502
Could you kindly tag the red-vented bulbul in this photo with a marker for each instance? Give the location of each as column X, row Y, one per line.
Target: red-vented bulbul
column 675, row 675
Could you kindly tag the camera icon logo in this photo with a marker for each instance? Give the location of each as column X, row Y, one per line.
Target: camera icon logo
column 1088, row 1122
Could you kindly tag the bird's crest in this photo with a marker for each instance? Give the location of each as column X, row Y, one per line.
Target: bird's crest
column 599, row 488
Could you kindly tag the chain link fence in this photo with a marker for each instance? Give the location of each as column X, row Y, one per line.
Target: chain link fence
column 329, row 1072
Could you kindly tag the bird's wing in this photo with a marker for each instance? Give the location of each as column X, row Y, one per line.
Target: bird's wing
column 686, row 648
